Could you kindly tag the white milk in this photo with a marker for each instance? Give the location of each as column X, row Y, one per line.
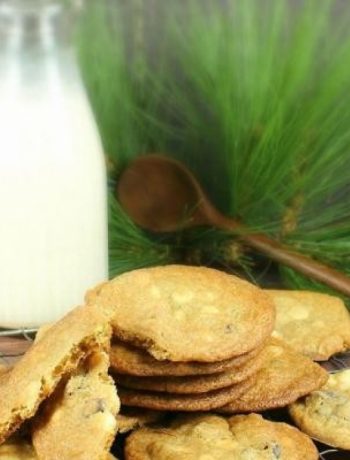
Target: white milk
column 53, row 220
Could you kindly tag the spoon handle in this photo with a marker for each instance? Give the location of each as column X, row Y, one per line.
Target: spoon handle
column 286, row 256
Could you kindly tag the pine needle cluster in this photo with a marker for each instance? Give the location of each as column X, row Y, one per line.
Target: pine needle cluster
column 253, row 96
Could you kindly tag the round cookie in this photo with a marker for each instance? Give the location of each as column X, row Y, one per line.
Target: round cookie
column 184, row 313
column 194, row 383
column 285, row 376
column 212, row 437
column 317, row 325
column 186, row 403
column 325, row 414
column 130, row 360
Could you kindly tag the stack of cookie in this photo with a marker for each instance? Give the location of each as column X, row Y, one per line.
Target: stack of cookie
column 185, row 338
column 197, row 339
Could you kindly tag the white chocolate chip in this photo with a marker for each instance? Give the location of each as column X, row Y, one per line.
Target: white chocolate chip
column 298, row 312
column 276, row 351
column 209, row 309
column 179, row 314
column 155, row 292
column 182, row 297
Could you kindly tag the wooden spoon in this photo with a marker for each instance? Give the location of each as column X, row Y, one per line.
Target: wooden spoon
column 161, row 195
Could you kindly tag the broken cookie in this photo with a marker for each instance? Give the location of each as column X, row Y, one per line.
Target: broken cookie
column 79, row 420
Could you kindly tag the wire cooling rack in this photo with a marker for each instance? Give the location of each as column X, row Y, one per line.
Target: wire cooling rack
column 15, row 342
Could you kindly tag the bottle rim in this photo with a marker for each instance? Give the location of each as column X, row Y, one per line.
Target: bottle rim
column 10, row 8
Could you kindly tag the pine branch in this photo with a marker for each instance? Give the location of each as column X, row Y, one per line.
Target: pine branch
column 255, row 98
column 130, row 247
column 276, row 112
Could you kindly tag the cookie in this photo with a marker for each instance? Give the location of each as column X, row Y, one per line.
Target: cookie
column 187, row 403
column 134, row 417
column 192, row 384
column 42, row 331
column 79, row 420
column 37, row 373
column 17, row 449
column 325, row 414
column 317, row 325
column 184, row 313
column 130, row 360
column 216, row 438
column 285, row 376
column 4, row 369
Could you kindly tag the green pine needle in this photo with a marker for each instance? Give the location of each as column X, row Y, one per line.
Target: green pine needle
column 253, row 96
column 129, row 247
column 277, row 116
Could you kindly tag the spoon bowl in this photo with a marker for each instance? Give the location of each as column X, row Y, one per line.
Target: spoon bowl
column 161, row 195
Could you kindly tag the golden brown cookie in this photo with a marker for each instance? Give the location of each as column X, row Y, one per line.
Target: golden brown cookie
column 17, row 449
column 325, row 414
column 285, row 376
column 317, row 325
column 194, row 383
column 177, row 402
column 79, row 420
column 130, row 360
column 135, row 417
column 184, row 313
column 42, row 331
column 245, row 437
column 4, row 368
column 36, row 374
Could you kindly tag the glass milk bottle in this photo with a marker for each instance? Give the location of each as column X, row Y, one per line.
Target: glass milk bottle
column 53, row 219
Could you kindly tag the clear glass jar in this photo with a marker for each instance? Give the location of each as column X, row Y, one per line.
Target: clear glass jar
column 53, row 219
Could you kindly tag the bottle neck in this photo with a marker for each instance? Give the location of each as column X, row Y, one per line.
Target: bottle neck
column 36, row 52
column 28, row 26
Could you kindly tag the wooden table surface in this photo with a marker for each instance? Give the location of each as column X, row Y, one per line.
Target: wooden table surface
column 12, row 348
